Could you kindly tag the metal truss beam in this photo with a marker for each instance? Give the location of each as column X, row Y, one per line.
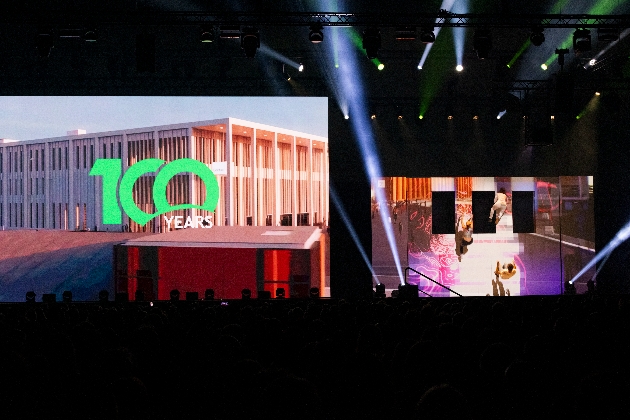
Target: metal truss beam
column 440, row 19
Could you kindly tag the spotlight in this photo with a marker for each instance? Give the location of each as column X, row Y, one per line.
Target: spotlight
column 229, row 32
column 313, row 293
column 103, row 296
column 301, row 67
column 381, row 66
column 371, row 42
column 561, row 52
column 450, row 117
column 607, row 34
column 346, row 117
column 482, row 43
column 207, row 35
column 285, row 74
column 419, row 67
column 174, row 295
column 543, row 66
column 44, row 43
column 597, row 93
column 553, row 117
column 316, row 35
column 406, row 33
column 209, row 294
column 30, row 296
column 90, row 35
column 246, row 294
column 400, row 117
column 250, row 41
column 420, row 117
column 66, row 296
column 592, row 62
column 380, row 291
column 581, row 40
column 427, row 36
column 280, row 293
column 373, row 116
column 537, row 37
column 476, row 117
column 459, row 67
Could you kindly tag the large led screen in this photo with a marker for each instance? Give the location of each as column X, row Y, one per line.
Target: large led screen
column 144, row 196
column 451, row 238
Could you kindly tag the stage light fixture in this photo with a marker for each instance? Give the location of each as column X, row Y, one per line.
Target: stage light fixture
column 597, row 93
column 400, row 117
column 561, row 52
column 346, row 117
column 450, row 117
column 103, row 296
column 66, row 296
column 90, row 35
column 482, row 43
column 207, row 35
column 381, row 66
column 607, row 34
column 316, row 35
column 420, row 117
column 246, row 294
column 581, row 40
column 280, row 293
column 476, row 117
column 285, row 74
column 553, row 117
column 427, row 36
column 30, row 296
column 229, row 32
column 380, row 291
column 209, row 294
column 301, row 67
column 543, row 66
column 592, row 62
column 250, row 41
column 537, row 36
column 44, row 43
column 371, row 42
column 406, row 33
column 373, row 116
column 459, row 67
column 174, row 295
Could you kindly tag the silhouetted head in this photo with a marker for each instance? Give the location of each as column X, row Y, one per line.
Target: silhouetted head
column 502, row 190
column 510, row 267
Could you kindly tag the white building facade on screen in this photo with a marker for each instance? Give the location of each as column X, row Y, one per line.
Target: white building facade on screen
column 276, row 176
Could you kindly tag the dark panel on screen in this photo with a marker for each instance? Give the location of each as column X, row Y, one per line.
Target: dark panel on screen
column 523, row 211
column 443, row 212
column 482, row 202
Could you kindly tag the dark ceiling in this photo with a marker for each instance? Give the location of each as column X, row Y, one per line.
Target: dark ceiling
column 183, row 65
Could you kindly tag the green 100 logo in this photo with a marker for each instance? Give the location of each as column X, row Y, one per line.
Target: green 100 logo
column 111, row 170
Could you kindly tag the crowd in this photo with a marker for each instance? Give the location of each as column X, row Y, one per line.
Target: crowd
column 464, row 358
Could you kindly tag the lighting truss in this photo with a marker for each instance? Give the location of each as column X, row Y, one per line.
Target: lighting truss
column 440, row 19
